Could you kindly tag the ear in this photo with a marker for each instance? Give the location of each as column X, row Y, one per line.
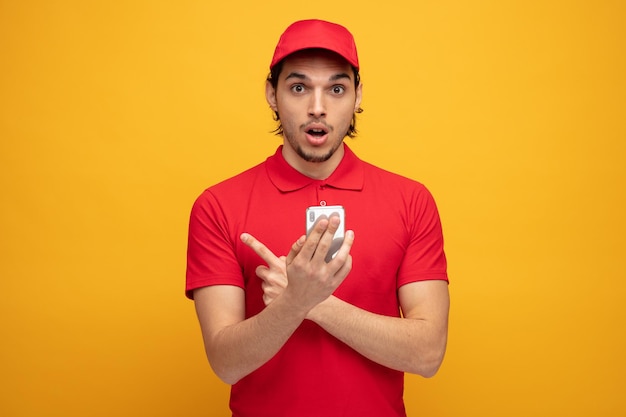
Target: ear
column 359, row 96
column 270, row 95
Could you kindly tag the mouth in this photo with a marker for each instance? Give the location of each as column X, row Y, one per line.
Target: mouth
column 316, row 134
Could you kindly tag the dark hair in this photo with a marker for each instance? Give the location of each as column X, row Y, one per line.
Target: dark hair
column 272, row 77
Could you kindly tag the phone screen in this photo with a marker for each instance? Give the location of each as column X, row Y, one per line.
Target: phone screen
column 314, row 213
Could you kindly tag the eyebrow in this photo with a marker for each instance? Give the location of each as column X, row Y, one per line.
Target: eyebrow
column 300, row 76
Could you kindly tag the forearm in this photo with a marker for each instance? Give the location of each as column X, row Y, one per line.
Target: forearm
column 237, row 349
column 411, row 345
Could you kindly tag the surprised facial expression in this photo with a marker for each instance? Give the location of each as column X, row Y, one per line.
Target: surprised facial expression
column 316, row 99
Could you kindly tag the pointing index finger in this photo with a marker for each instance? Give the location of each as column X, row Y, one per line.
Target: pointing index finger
column 261, row 250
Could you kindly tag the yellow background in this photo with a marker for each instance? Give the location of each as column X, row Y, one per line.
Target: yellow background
column 114, row 116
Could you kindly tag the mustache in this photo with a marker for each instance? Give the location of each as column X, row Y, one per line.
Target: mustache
column 305, row 126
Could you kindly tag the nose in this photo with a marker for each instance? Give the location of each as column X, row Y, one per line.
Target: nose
column 317, row 104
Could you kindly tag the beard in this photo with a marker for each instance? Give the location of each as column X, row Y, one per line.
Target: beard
column 311, row 157
column 290, row 133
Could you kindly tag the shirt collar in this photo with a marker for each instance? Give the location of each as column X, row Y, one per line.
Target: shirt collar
column 347, row 176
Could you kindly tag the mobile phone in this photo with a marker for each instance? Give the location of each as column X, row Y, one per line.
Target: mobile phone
column 314, row 213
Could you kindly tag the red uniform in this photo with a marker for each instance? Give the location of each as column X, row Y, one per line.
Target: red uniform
column 398, row 240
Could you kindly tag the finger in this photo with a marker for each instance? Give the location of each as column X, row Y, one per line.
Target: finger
column 260, row 249
column 295, row 249
column 262, row 272
column 269, row 292
column 327, row 241
column 344, row 251
column 309, row 246
column 345, row 269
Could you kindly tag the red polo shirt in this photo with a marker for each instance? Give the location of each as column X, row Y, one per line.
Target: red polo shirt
column 398, row 240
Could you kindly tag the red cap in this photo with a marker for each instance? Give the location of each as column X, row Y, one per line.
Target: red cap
column 307, row 34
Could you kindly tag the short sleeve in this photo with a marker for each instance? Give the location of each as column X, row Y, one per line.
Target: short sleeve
column 211, row 258
column 425, row 258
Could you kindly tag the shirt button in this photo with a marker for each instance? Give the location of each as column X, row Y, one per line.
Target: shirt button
column 323, row 203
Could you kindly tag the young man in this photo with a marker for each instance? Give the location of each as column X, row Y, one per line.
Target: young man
column 295, row 333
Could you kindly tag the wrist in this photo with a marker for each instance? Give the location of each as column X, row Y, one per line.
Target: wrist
column 317, row 313
column 292, row 305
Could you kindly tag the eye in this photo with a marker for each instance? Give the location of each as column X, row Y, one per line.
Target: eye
column 338, row 89
column 297, row 88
